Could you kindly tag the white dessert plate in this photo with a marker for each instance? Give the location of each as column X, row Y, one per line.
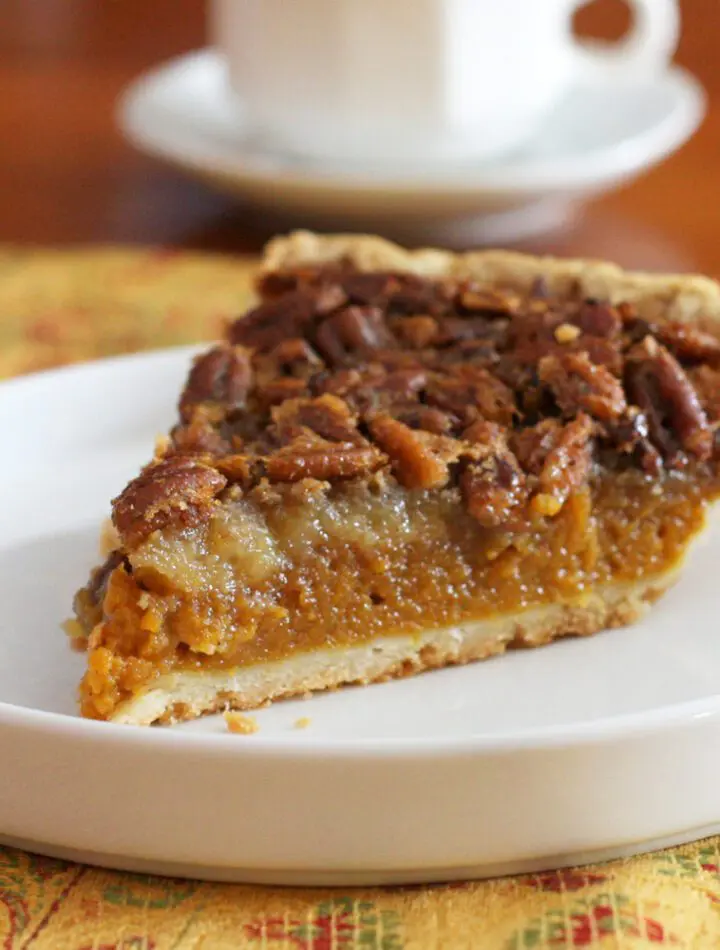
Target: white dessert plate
column 581, row 750
column 601, row 135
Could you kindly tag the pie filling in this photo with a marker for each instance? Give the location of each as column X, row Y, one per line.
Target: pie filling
column 374, row 455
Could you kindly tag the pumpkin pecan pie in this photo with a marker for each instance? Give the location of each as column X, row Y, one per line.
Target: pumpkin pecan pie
column 403, row 460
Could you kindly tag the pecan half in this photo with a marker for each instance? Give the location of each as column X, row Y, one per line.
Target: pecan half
column 688, row 343
column 329, row 297
column 327, row 416
column 244, row 470
column 476, row 353
column 351, row 332
column 493, row 485
column 533, row 444
column 178, row 490
column 293, row 357
column 428, row 418
column 457, row 329
column 275, row 320
column 277, row 283
column 366, row 288
column 599, row 318
column 419, row 459
column 201, row 435
column 579, row 385
column 313, row 457
column 630, row 436
column 276, row 391
column 603, row 352
column 706, row 383
column 410, row 295
column 660, row 387
column 372, row 388
column 566, row 466
column 397, row 293
column 474, row 298
column 418, row 332
column 471, row 392
column 222, row 376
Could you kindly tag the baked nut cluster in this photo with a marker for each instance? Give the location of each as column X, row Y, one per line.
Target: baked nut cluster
column 512, row 401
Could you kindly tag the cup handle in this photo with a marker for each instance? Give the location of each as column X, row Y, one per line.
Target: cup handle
column 647, row 49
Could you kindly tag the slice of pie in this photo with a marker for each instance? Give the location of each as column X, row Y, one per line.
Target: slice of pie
column 403, row 460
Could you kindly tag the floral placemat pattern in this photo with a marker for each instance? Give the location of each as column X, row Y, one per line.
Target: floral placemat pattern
column 58, row 307
column 670, row 899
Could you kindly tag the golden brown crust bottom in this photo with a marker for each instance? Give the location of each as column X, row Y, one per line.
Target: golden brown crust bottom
column 182, row 696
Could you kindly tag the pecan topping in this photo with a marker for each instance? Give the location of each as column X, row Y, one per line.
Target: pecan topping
column 496, row 395
column 294, row 357
column 327, row 416
column 476, row 299
column 276, row 283
column 688, row 343
column 456, row 329
column 706, row 382
column 200, row 435
column 417, row 332
column 178, row 490
column 330, row 297
column 275, row 320
column 480, row 353
column 630, row 435
column 602, row 352
column 428, row 418
column 660, row 387
column 276, row 391
column 418, row 459
column 566, row 466
column 493, row 484
column 473, row 392
column 577, row 385
column 240, row 469
column 599, row 319
column 222, row 376
column 532, row 445
column 366, row 288
column 396, row 293
column 373, row 388
column 353, row 331
column 313, row 457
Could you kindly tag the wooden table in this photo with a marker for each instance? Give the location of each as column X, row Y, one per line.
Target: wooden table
column 66, row 176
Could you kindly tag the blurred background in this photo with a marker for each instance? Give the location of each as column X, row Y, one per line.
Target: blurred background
column 67, row 176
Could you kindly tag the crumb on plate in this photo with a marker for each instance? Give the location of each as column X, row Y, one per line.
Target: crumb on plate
column 303, row 722
column 240, row 724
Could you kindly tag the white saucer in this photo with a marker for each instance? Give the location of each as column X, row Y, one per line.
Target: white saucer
column 584, row 749
column 599, row 137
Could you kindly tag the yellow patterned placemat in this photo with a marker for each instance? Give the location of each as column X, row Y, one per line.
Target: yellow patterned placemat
column 57, row 307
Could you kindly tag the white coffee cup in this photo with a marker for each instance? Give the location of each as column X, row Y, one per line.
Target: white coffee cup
column 417, row 81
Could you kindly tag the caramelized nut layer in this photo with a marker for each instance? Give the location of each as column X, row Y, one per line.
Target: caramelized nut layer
column 513, row 400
